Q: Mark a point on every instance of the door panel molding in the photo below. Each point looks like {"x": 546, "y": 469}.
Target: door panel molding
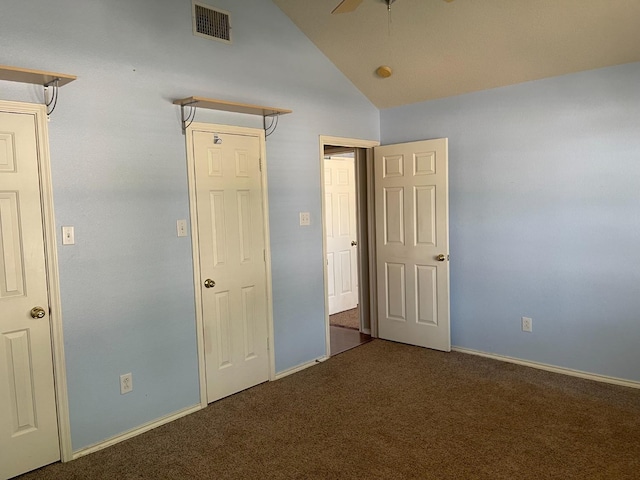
{"x": 53, "y": 278}
{"x": 234, "y": 130}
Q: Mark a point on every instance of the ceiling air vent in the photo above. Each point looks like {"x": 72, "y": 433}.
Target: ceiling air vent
{"x": 211, "y": 23}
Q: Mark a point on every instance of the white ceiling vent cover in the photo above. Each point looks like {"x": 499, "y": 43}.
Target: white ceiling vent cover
{"x": 211, "y": 23}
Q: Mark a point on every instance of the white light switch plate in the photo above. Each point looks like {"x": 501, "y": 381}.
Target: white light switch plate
{"x": 182, "y": 228}
{"x": 68, "y": 236}
{"x": 305, "y": 218}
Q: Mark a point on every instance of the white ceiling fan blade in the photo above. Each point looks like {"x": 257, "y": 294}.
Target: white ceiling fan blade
{"x": 347, "y": 6}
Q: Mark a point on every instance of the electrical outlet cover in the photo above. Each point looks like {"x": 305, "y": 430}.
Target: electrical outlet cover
{"x": 305, "y": 218}
{"x": 126, "y": 383}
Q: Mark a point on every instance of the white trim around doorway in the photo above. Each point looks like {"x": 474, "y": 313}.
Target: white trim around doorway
{"x": 53, "y": 277}
{"x": 233, "y": 130}
{"x": 342, "y": 142}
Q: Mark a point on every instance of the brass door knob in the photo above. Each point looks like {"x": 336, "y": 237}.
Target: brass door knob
{"x": 208, "y": 283}
{"x": 441, "y": 258}
{"x": 37, "y": 312}
{"x": 353, "y": 243}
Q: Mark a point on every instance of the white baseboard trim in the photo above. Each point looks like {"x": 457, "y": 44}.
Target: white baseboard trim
{"x": 550, "y": 368}
{"x": 135, "y": 432}
{"x": 286, "y": 373}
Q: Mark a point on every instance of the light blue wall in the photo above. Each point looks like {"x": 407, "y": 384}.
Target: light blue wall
{"x": 545, "y": 216}
{"x": 119, "y": 177}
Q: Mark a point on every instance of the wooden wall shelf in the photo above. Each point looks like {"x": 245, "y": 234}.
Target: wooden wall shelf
{"x": 214, "y": 104}
{"x": 37, "y": 77}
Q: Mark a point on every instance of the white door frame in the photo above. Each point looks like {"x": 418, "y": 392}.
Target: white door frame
{"x": 233, "y": 130}
{"x": 342, "y": 142}
{"x": 53, "y": 278}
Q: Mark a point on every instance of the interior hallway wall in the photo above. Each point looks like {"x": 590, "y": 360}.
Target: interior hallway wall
{"x": 119, "y": 176}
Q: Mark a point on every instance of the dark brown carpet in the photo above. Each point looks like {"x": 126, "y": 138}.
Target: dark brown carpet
{"x": 390, "y": 411}
{"x": 347, "y": 319}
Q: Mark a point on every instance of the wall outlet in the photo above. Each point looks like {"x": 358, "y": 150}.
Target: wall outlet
{"x": 305, "y": 218}
{"x": 527, "y": 324}
{"x": 126, "y": 383}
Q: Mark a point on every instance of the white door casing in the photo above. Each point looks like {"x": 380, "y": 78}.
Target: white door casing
{"x": 29, "y": 435}
{"x": 325, "y": 141}
{"x": 412, "y": 243}
{"x": 231, "y": 240}
{"x": 341, "y": 233}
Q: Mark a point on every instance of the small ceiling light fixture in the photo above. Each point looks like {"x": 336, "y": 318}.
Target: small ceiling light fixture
{"x": 383, "y": 71}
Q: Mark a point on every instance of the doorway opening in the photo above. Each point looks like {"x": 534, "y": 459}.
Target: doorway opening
{"x": 347, "y": 246}
{"x": 402, "y": 239}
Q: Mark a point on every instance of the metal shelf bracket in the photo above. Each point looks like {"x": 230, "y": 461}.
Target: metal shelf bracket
{"x": 53, "y": 101}
{"x": 187, "y": 119}
{"x": 268, "y": 130}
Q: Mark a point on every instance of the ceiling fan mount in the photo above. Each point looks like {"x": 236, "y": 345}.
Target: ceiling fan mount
{"x": 346, "y": 6}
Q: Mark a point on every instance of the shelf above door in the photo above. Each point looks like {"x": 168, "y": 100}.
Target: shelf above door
{"x": 37, "y": 77}
{"x": 223, "y": 105}
{"x": 214, "y": 104}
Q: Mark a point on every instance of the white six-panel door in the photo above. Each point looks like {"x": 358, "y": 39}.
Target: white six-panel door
{"x": 340, "y": 227}
{"x": 232, "y": 261}
{"x": 28, "y": 419}
{"x": 412, "y": 243}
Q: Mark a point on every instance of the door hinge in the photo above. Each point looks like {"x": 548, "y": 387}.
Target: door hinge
{"x": 260, "y": 164}
{"x": 264, "y": 255}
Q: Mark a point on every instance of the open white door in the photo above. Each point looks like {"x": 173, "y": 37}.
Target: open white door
{"x": 231, "y": 239}
{"x": 412, "y": 243}
{"x": 341, "y": 231}
{"x": 28, "y": 416}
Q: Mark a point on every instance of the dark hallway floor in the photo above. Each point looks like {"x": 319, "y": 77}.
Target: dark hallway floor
{"x": 343, "y": 339}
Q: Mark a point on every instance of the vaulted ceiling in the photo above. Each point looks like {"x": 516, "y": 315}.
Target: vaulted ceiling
{"x": 438, "y": 49}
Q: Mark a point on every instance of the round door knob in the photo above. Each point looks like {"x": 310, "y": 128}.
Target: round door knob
{"x": 441, "y": 258}
{"x": 37, "y": 312}
{"x": 353, "y": 243}
{"x": 208, "y": 283}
